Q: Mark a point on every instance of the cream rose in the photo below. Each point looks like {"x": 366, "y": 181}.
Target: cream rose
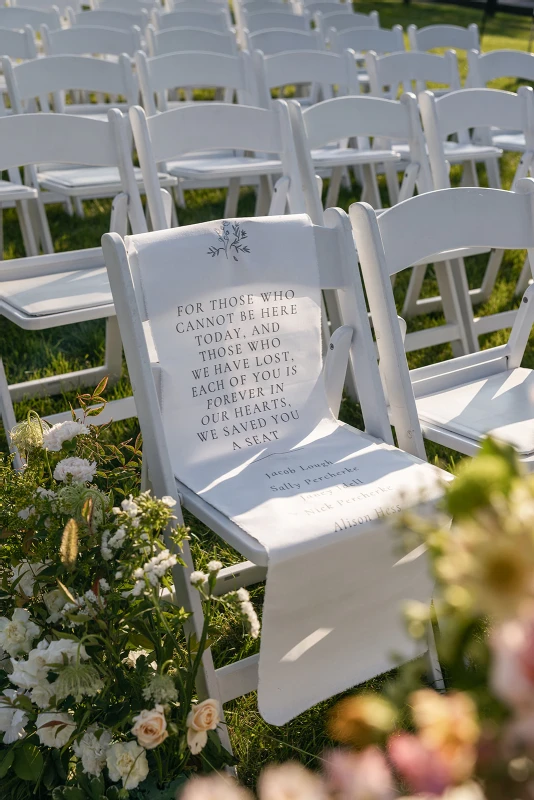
{"x": 150, "y": 728}
{"x": 202, "y": 718}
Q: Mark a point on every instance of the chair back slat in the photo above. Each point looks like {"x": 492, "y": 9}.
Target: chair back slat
{"x": 216, "y": 19}
{"x": 183, "y": 40}
{"x": 275, "y": 41}
{"x": 89, "y": 40}
{"x": 380, "y": 40}
{"x": 485, "y": 67}
{"x": 450, "y": 36}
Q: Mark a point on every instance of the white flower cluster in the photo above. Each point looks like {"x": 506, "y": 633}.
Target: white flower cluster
{"x": 129, "y": 507}
{"x": 83, "y": 604}
{"x": 54, "y": 437}
{"x": 79, "y": 469}
{"x": 161, "y": 689}
{"x": 152, "y": 571}
{"x": 110, "y": 543}
{"x": 92, "y": 750}
{"x": 31, "y": 674}
{"x": 248, "y": 613}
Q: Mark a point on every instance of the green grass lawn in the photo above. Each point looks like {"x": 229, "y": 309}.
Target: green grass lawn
{"x": 34, "y": 354}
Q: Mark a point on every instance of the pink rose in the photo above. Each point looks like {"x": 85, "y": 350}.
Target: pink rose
{"x": 150, "y": 728}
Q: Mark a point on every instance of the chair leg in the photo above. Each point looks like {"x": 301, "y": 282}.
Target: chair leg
{"x": 232, "y": 198}
{"x": 78, "y": 206}
{"x": 332, "y": 195}
{"x": 434, "y": 667}
{"x": 392, "y": 181}
{"x": 524, "y": 278}
{"x": 454, "y": 291}
{"x": 7, "y": 414}
{"x": 413, "y": 291}
{"x": 26, "y": 228}
{"x": 38, "y": 214}
{"x": 490, "y": 276}
{"x": 263, "y": 196}
{"x": 492, "y": 171}
{"x": 113, "y": 363}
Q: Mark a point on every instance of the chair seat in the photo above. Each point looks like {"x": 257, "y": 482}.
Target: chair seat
{"x": 209, "y": 166}
{"x": 80, "y": 180}
{"x": 501, "y": 406}
{"x": 50, "y": 285}
{"x": 9, "y": 192}
{"x": 456, "y": 152}
{"x": 328, "y": 157}
{"x": 510, "y": 141}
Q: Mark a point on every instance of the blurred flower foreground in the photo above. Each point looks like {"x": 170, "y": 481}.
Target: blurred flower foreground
{"x": 97, "y": 665}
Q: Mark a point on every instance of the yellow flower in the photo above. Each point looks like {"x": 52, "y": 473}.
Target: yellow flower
{"x": 361, "y": 720}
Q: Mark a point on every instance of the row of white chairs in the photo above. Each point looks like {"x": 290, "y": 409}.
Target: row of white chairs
{"x": 195, "y": 142}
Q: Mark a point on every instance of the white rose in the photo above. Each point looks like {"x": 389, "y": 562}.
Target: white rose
{"x": 80, "y": 470}
{"x": 127, "y": 762}
{"x": 54, "y": 728}
{"x": 54, "y": 437}
{"x": 27, "y": 574}
{"x": 17, "y": 634}
{"x": 150, "y": 728}
{"x": 12, "y": 720}
{"x": 92, "y": 750}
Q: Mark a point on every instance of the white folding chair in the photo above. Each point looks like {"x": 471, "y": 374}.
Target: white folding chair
{"x": 327, "y": 74}
{"x": 357, "y": 118}
{"x": 18, "y": 45}
{"x": 47, "y": 291}
{"x": 278, "y": 20}
{"x": 18, "y": 18}
{"x": 361, "y": 40}
{"x": 47, "y": 5}
{"x": 161, "y": 74}
{"x": 460, "y": 401}
{"x": 217, "y": 19}
{"x": 109, "y": 18}
{"x": 345, "y": 20}
{"x": 307, "y": 652}
{"x": 485, "y": 110}
{"x": 55, "y": 75}
{"x": 406, "y": 72}
{"x": 453, "y": 37}
{"x": 203, "y": 144}
{"x": 127, "y": 5}
{"x": 284, "y": 41}
{"x": 183, "y": 40}
{"x": 89, "y": 40}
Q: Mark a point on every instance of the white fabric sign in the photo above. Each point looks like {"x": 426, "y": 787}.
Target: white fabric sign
{"x": 236, "y": 326}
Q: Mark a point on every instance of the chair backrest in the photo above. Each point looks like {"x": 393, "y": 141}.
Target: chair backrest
{"x": 46, "y": 5}
{"x": 345, "y": 118}
{"x": 58, "y": 74}
{"x": 19, "y": 18}
{"x": 89, "y": 40}
{"x": 183, "y": 40}
{"x": 258, "y": 6}
{"x": 389, "y": 73}
{"x": 345, "y": 20}
{"x": 414, "y": 231}
{"x": 217, "y": 19}
{"x": 110, "y": 18}
{"x": 457, "y": 112}
{"x": 267, "y": 20}
{"x": 486, "y": 67}
{"x": 127, "y": 5}
{"x": 159, "y": 74}
{"x": 450, "y": 36}
{"x": 326, "y": 71}
{"x": 211, "y": 126}
{"x": 361, "y": 40}
{"x": 283, "y": 41}
{"x": 337, "y": 268}
{"x": 18, "y": 44}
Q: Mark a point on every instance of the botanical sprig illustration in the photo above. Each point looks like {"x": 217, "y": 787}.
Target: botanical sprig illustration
{"x": 230, "y": 231}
